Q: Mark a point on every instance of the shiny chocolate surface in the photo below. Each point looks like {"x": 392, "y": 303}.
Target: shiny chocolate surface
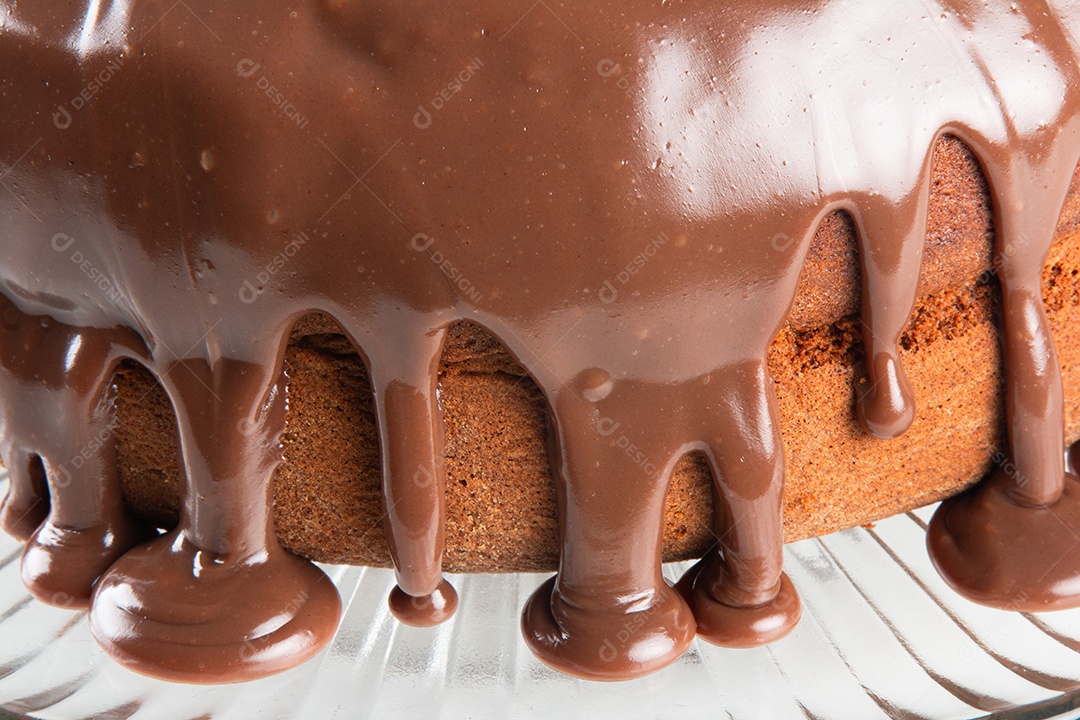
{"x": 622, "y": 193}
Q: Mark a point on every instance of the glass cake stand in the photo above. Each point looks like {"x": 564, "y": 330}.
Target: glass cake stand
{"x": 881, "y": 636}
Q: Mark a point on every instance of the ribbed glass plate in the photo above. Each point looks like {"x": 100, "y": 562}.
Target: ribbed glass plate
{"x": 881, "y": 636}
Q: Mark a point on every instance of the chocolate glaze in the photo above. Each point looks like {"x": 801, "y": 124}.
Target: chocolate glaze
{"x": 622, "y": 193}
{"x": 51, "y": 368}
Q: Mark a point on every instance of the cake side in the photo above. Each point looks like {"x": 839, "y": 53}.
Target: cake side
{"x": 502, "y": 510}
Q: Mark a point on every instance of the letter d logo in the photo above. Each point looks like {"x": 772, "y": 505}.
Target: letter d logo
{"x": 422, "y": 118}
{"x": 607, "y": 426}
{"x": 62, "y": 242}
{"x": 62, "y": 118}
{"x": 246, "y": 68}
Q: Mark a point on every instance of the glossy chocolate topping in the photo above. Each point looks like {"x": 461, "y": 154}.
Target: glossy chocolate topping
{"x": 622, "y": 193}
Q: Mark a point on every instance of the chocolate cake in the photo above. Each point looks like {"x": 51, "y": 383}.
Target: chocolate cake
{"x": 487, "y": 288}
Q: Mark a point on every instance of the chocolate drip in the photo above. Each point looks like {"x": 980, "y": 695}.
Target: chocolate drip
{"x": 625, "y": 198}
{"x": 997, "y": 543}
{"x": 58, "y": 406}
{"x": 890, "y": 249}
{"x": 221, "y": 574}
{"x": 414, "y": 477}
{"x": 26, "y": 504}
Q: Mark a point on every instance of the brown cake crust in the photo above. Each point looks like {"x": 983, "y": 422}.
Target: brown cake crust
{"x": 502, "y": 511}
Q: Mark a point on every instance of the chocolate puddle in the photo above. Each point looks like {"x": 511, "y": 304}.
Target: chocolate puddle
{"x": 186, "y": 183}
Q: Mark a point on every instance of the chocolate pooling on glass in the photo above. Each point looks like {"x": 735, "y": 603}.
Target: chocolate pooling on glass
{"x": 183, "y": 184}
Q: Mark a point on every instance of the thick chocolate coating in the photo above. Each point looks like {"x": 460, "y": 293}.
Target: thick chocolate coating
{"x": 186, "y": 183}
